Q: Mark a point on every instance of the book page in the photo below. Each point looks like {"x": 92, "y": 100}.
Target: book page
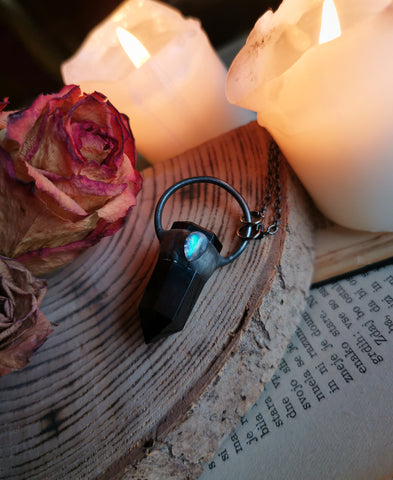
{"x": 327, "y": 412}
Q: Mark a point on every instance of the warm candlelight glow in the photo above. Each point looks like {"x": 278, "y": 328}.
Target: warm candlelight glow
{"x": 330, "y": 24}
{"x": 158, "y": 68}
{"x": 331, "y": 117}
{"x": 133, "y": 47}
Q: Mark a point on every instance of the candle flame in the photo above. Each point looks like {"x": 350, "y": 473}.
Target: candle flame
{"x": 133, "y": 47}
{"x": 330, "y": 24}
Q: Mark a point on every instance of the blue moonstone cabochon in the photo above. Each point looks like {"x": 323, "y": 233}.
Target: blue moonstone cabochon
{"x": 195, "y": 245}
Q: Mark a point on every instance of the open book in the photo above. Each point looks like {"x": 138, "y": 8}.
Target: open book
{"x": 327, "y": 411}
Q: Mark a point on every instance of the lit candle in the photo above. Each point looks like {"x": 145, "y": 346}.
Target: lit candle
{"x": 321, "y": 81}
{"x": 160, "y": 69}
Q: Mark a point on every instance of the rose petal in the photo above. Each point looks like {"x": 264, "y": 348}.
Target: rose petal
{"x": 40, "y": 134}
{"x": 44, "y": 146}
{"x": 89, "y": 194}
{"x": 99, "y": 113}
{"x": 13, "y": 195}
{"x": 36, "y": 227}
{"x": 3, "y": 115}
{"x": 25, "y": 328}
{"x": 3, "y": 104}
{"x": 17, "y": 355}
{"x": 52, "y": 196}
{"x": 129, "y": 141}
{"x": 126, "y": 173}
{"x": 47, "y": 259}
{"x": 21, "y": 122}
{"x": 93, "y": 142}
{"x": 118, "y": 207}
{"x": 96, "y": 113}
{"x": 101, "y": 173}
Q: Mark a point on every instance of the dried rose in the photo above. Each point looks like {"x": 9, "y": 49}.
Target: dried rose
{"x": 67, "y": 177}
{"x": 3, "y": 115}
{"x": 23, "y": 327}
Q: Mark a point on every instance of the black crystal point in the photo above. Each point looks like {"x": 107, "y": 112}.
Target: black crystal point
{"x": 176, "y": 282}
{"x": 166, "y": 306}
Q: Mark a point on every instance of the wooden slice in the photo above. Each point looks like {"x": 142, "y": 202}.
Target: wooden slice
{"x": 96, "y": 402}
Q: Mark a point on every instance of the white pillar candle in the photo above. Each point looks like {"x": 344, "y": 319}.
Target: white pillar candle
{"x": 328, "y": 105}
{"x": 168, "y": 80}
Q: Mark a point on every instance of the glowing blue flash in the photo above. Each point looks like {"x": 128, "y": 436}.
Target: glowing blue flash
{"x": 195, "y": 245}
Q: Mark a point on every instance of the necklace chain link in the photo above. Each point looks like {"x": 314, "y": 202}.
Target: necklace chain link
{"x": 255, "y": 230}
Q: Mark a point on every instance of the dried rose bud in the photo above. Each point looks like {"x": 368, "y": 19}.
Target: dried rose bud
{"x": 67, "y": 177}
{"x": 23, "y": 327}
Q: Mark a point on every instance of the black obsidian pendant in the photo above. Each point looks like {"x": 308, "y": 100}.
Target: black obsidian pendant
{"x": 188, "y": 256}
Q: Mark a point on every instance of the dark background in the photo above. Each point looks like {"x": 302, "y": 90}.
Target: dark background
{"x": 37, "y": 35}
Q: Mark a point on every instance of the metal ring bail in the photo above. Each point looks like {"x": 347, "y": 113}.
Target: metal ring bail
{"x": 215, "y": 181}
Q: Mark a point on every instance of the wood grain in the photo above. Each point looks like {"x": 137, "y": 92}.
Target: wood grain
{"x": 340, "y": 251}
{"x": 95, "y": 399}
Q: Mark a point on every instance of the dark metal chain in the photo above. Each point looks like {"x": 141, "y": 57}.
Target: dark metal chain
{"x": 272, "y": 199}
